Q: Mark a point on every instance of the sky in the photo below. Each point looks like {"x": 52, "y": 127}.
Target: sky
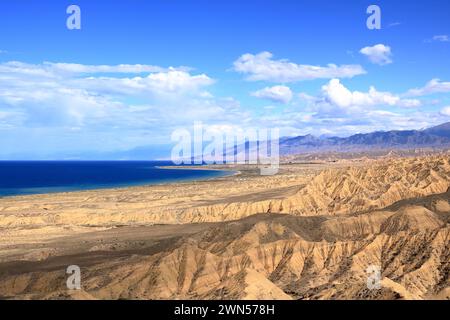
{"x": 138, "y": 70}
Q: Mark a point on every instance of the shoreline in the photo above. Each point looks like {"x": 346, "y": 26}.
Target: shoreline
{"x": 205, "y": 168}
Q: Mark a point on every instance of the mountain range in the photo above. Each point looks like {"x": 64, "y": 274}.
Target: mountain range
{"x": 435, "y": 137}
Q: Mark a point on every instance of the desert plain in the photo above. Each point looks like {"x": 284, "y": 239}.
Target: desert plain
{"x": 310, "y": 232}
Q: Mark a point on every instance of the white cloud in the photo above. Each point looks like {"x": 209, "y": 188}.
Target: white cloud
{"x": 121, "y": 68}
{"x": 446, "y": 111}
{"x": 410, "y": 103}
{"x": 337, "y": 110}
{"x": 171, "y": 83}
{"x": 109, "y": 107}
{"x": 63, "y": 94}
{"x": 345, "y": 124}
{"x": 15, "y": 68}
{"x": 394, "y": 24}
{"x": 71, "y": 109}
{"x": 441, "y": 38}
{"x": 306, "y": 97}
{"x": 338, "y": 95}
{"x": 63, "y": 70}
{"x": 432, "y": 87}
{"x": 177, "y": 81}
{"x": 378, "y": 54}
{"x": 281, "y": 94}
{"x": 84, "y": 76}
{"x": 261, "y": 67}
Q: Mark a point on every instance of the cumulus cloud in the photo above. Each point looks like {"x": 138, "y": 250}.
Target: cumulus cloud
{"x": 95, "y": 107}
{"x": 88, "y": 108}
{"x": 86, "y": 76}
{"x": 261, "y": 67}
{"x": 280, "y": 94}
{"x": 171, "y": 83}
{"x": 432, "y": 87}
{"x": 378, "y": 54}
{"x": 344, "y": 124}
{"x": 64, "y": 94}
{"x": 338, "y": 95}
{"x": 338, "y": 110}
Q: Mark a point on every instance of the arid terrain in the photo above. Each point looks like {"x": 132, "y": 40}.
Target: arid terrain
{"x": 309, "y": 232}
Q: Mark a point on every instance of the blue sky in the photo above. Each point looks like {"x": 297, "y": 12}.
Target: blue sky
{"x": 137, "y": 70}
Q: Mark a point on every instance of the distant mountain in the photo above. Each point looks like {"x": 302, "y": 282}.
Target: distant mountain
{"x": 442, "y": 131}
{"x": 436, "y": 137}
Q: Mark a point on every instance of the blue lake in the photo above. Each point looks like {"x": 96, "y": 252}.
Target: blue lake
{"x": 36, "y": 177}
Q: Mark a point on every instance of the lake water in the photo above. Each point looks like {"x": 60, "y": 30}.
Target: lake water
{"x": 36, "y": 177}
